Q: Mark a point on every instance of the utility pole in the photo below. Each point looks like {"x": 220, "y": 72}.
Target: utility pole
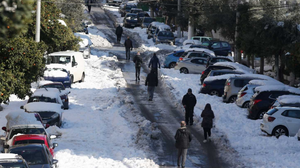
{"x": 38, "y": 21}
{"x": 237, "y": 54}
{"x": 178, "y": 14}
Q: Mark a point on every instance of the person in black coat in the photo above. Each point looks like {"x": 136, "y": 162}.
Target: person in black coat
{"x": 151, "y": 82}
{"x": 89, "y": 4}
{"x": 207, "y": 121}
{"x": 128, "y": 47}
{"x": 183, "y": 139}
{"x": 138, "y": 63}
{"x": 154, "y": 63}
{"x": 119, "y": 31}
{"x": 189, "y": 101}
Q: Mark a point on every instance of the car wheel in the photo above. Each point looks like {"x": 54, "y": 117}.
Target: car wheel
{"x": 232, "y": 99}
{"x": 214, "y": 92}
{"x": 246, "y": 104}
{"x": 82, "y": 77}
{"x": 184, "y": 70}
{"x": 172, "y": 64}
{"x": 280, "y": 130}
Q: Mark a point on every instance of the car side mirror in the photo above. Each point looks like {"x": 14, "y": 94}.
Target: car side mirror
{"x": 53, "y": 136}
{"x": 74, "y": 64}
{"x": 55, "y": 145}
{"x": 4, "y": 128}
{"x": 22, "y": 107}
{"x": 54, "y": 161}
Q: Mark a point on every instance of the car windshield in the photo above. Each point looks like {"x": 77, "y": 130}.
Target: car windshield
{"x": 59, "y": 59}
{"x": 12, "y": 165}
{"x": 27, "y": 131}
{"x": 148, "y": 20}
{"x": 58, "y": 86}
{"x": 42, "y": 99}
{"x": 272, "y": 111}
{"x": 131, "y": 17}
{"x": 130, "y": 6}
{"x": 276, "y": 104}
{"x": 31, "y": 141}
{"x": 46, "y": 115}
{"x": 166, "y": 34}
{"x": 33, "y": 156}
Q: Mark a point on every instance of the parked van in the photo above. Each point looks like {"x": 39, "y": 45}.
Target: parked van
{"x": 71, "y": 60}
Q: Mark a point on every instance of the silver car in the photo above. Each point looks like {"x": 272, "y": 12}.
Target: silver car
{"x": 193, "y": 65}
{"x": 244, "y": 95}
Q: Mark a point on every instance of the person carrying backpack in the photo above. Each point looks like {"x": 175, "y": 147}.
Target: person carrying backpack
{"x": 183, "y": 139}
{"x": 138, "y": 63}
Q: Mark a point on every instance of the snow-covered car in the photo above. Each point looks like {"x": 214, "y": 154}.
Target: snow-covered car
{"x": 287, "y": 100}
{"x": 201, "y": 39}
{"x": 236, "y": 66}
{"x": 58, "y": 75}
{"x": 244, "y": 95}
{"x": 164, "y": 37}
{"x": 196, "y": 52}
{"x": 84, "y": 45}
{"x": 130, "y": 20}
{"x": 191, "y": 42}
{"x": 281, "y": 121}
{"x": 51, "y": 113}
{"x": 64, "y": 94}
{"x": 193, "y": 65}
{"x": 11, "y": 160}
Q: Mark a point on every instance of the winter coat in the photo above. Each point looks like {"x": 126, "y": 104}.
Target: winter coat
{"x": 183, "y": 138}
{"x": 119, "y": 30}
{"x": 208, "y": 116}
{"x": 154, "y": 62}
{"x": 151, "y": 79}
{"x": 189, "y": 101}
{"x": 138, "y": 61}
{"x": 128, "y": 44}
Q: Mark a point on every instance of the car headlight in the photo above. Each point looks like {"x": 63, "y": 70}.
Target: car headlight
{"x": 55, "y": 115}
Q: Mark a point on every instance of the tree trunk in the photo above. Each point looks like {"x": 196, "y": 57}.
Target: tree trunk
{"x": 277, "y": 67}
{"x": 292, "y": 78}
{"x": 252, "y": 62}
{"x": 262, "y": 62}
{"x": 248, "y": 59}
{"x": 151, "y": 11}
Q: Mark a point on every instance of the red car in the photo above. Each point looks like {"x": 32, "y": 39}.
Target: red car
{"x": 34, "y": 138}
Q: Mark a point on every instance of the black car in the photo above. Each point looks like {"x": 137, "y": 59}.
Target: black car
{"x": 223, "y": 72}
{"x": 213, "y": 67}
{"x": 126, "y": 9}
{"x": 145, "y": 21}
{"x": 213, "y": 60}
{"x": 213, "y": 87}
{"x": 140, "y": 17}
{"x": 51, "y": 118}
{"x": 261, "y": 102}
{"x": 221, "y": 48}
{"x": 130, "y": 20}
{"x": 8, "y": 160}
{"x": 36, "y": 155}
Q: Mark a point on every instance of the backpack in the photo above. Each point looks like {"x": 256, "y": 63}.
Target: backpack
{"x": 138, "y": 62}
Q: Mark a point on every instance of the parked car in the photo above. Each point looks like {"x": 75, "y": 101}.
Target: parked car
{"x": 58, "y": 75}
{"x": 71, "y": 61}
{"x": 140, "y": 17}
{"x": 172, "y": 58}
{"x": 136, "y": 10}
{"x": 161, "y": 27}
{"x": 193, "y": 65}
{"x": 202, "y": 39}
{"x": 64, "y": 94}
{"x": 35, "y": 138}
{"x": 214, "y": 85}
{"x": 11, "y": 160}
{"x": 126, "y": 9}
{"x": 164, "y": 37}
{"x": 213, "y": 60}
{"x": 196, "y": 52}
{"x": 265, "y": 96}
{"x": 287, "y": 101}
{"x": 281, "y": 121}
{"x": 114, "y": 2}
{"x": 152, "y": 28}
{"x": 219, "y": 47}
{"x": 223, "y": 72}
{"x": 130, "y": 20}
{"x": 191, "y": 42}
{"x": 37, "y": 155}
{"x": 205, "y": 73}
{"x": 51, "y": 114}
{"x": 234, "y": 84}
{"x": 145, "y": 21}
{"x": 84, "y": 45}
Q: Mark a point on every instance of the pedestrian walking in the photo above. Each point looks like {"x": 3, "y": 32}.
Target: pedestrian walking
{"x": 119, "y": 32}
{"x": 89, "y": 4}
{"x": 138, "y": 63}
{"x": 154, "y": 63}
{"x": 183, "y": 139}
{"x": 207, "y": 121}
{"x": 128, "y": 47}
{"x": 189, "y": 101}
{"x": 151, "y": 82}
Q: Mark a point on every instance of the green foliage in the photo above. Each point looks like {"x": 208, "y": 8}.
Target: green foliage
{"x": 14, "y": 17}
{"x": 21, "y": 62}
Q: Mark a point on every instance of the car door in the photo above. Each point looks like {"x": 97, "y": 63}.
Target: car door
{"x": 217, "y": 48}
{"x": 292, "y": 121}
{"x": 226, "y": 48}
{"x": 198, "y": 65}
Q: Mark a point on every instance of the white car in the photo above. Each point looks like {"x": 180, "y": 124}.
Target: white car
{"x": 194, "y": 65}
{"x": 281, "y": 121}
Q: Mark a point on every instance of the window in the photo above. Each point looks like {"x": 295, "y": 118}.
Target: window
{"x": 193, "y": 55}
{"x": 272, "y": 111}
{"x": 196, "y": 38}
{"x": 198, "y": 61}
{"x": 225, "y": 44}
{"x": 292, "y": 113}
{"x": 216, "y": 45}
{"x": 203, "y": 40}
{"x": 238, "y": 83}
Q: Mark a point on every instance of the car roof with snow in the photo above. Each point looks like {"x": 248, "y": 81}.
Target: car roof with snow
{"x": 43, "y": 82}
{"x": 186, "y": 42}
{"x": 162, "y": 27}
{"x": 277, "y": 88}
{"x": 10, "y": 157}
{"x": 67, "y": 53}
{"x": 54, "y": 66}
{"x": 200, "y": 50}
{"x": 43, "y": 107}
{"x": 47, "y": 92}
{"x": 258, "y": 76}
{"x": 265, "y": 82}
{"x": 21, "y": 119}
{"x": 237, "y": 66}
{"x": 156, "y": 23}
{"x": 288, "y": 108}
{"x": 220, "y": 77}
{"x": 288, "y": 99}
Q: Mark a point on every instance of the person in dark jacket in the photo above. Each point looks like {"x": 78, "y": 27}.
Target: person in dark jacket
{"x": 128, "y": 47}
{"x": 89, "y": 4}
{"x": 154, "y": 63}
{"x": 119, "y": 32}
{"x": 189, "y": 101}
{"x": 138, "y": 63}
{"x": 183, "y": 139}
{"x": 207, "y": 121}
{"x": 151, "y": 82}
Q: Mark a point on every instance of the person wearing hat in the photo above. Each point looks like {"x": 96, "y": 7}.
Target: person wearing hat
{"x": 189, "y": 101}
{"x": 138, "y": 63}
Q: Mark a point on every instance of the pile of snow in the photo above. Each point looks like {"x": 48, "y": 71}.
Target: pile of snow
{"x": 277, "y": 88}
{"x": 20, "y": 118}
{"x": 237, "y": 66}
{"x": 98, "y": 38}
{"x": 85, "y": 39}
{"x": 55, "y": 72}
{"x": 286, "y": 99}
